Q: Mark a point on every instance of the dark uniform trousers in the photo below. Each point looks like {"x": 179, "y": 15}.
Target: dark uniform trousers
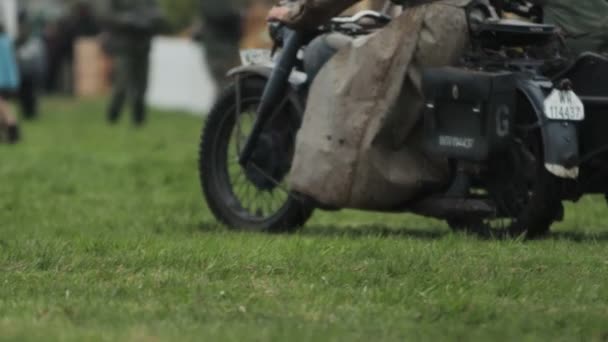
{"x": 222, "y": 32}
{"x": 131, "y": 43}
{"x": 131, "y": 67}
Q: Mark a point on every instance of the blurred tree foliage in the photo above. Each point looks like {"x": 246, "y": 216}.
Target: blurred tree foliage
{"x": 181, "y": 13}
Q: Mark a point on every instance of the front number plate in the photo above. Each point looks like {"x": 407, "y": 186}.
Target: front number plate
{"x": 564, "y": 105}
{"x": 256, "y": 57}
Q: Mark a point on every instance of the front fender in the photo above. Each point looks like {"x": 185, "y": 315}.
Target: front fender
{"x": 559, "y": 138}
{"x": 297, "y": 79}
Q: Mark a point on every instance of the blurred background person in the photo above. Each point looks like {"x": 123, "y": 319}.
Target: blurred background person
{"x": 55, "y": 53}
{"x": 9, "y": 82}
{"x": 132, "y": 26}
{"x": 221, "y": 33}
{"x": 60, "y": 25}
{"x": 223, "y": 28}
{"x": 31, "y": 57}
{"x": 80, "y": 22}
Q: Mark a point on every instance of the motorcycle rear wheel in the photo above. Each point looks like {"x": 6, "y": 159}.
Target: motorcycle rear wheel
{"x": 255, "y": 198}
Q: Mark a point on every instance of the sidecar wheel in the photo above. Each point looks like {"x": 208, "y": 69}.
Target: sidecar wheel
{"x": 542, "y": 210}
{"x": 255, "y": 198}
{"x": 532, "y": 220}
{"x": 525, "y": 194}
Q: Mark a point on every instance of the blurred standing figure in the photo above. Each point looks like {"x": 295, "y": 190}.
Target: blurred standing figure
{"x": 52, "y": 37}
{"x": 31, "y": 56}
{"x": 221, "y": 33}
{"x": 81, "y": 22}
{"x": 9, "y": 82}
{"x": 132, "y": 25}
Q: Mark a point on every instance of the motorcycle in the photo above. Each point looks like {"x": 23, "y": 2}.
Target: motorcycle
{"x": 508, "y": 131}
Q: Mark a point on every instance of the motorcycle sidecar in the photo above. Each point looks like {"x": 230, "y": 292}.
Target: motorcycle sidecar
{"x": 588, "y": 76}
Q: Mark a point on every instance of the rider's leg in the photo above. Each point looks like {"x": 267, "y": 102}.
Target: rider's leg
{"x": 321, "y": 50}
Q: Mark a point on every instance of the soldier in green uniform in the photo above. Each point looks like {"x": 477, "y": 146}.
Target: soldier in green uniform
{"x": 584, "y": 23}
{"x": 221, "y": 34}
{"x": 132, "y": 25}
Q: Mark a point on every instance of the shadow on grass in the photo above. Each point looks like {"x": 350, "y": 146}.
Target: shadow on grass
{"x": 582, "y": 237}
{"x": 373, "y": 231}
{"x": 352, "y": 232}
{"x": 211, "y": 227}
{"x": 435, "y": 234}
{"x": 370, "y": 231}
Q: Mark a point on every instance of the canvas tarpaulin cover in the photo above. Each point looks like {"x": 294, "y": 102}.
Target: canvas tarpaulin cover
{"x": 360, "y": 145}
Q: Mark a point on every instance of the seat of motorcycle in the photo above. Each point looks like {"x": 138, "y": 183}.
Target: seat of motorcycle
{"x": 513, "y": 33}
{"x": 587, "y": 74}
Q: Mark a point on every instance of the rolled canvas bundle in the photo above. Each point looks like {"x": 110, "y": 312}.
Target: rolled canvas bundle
{"x": 360, "y": 145}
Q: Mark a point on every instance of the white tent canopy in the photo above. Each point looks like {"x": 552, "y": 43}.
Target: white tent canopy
{"x": 179, "y": 78}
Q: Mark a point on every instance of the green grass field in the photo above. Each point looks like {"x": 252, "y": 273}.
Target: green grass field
{"x": 104, "y": 235}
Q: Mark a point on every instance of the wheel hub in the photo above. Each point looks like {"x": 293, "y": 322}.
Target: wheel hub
{"x": 266, "y": 166}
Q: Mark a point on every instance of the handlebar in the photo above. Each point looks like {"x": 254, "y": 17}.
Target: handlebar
{"x": 382, "y": 18}
{"x": 360, "y": 23}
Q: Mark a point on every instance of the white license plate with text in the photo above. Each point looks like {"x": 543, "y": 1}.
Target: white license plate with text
{"x": 251, "y": 57}
{"x": 564, "y": 105}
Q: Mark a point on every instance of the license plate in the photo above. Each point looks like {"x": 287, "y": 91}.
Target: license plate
{"x": 564, "y": 105}
{"x": 256, "y": 57}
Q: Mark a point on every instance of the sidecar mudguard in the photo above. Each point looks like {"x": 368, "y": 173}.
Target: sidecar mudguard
{"x": 560, "y": 138}
{"x": 297, "y": 79}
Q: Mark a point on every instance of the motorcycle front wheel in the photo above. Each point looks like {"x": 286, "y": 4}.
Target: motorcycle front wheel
{"x": 255, "y": 197}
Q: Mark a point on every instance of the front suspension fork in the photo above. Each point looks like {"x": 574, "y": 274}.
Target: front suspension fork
{"x": 275, "y": 89}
